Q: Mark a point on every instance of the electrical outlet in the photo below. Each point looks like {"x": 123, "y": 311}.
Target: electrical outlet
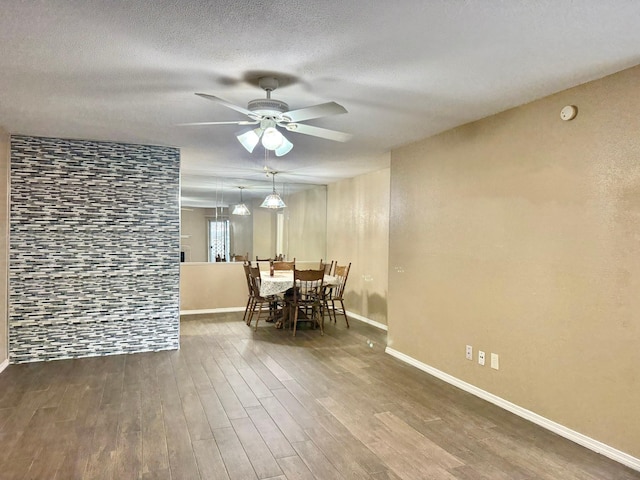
{"x": 495, "y": 361}
{"x": 469, "y": 353}
{"x": 481, "y": 357}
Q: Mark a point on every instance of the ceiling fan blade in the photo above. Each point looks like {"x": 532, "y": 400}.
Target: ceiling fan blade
{"x": 228, "y": 104}
{"x": 316, "y": 111}
{"x": 318, "y": 132}
{"x": 240, "y": 122}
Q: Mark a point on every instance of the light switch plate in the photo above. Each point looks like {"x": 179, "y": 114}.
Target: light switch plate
{"x": 495, "y": 361}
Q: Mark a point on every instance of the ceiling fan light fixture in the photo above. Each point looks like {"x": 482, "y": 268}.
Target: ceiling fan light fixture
{"x": 272, "y": 138}
{"x": 249, "y": 139}
{"x": 284, "y": 148}
{"x": 271, "y": 113}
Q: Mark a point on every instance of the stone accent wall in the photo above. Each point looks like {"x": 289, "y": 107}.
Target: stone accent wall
{"x": 94, "y": 248}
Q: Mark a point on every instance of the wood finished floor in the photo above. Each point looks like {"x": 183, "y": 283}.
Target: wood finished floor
{"x": 239, "y": 404}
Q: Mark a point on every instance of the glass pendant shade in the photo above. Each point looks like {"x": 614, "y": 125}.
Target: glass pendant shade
{"x": 241, "y": 208}
{"x": 250, "y": 139}
{"x": 272, "y": 138}
{"x": 284, "y": 148}
{"x": 273, "y": 200}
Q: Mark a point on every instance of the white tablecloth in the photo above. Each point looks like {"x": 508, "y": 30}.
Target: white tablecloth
{"x": 283, "y": 281}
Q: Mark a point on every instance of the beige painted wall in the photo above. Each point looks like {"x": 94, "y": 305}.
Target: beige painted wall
{"x": 206, "y": 286}
{"x": 264, "y": 231}
{"x": 4, "y": 237}
{"x": 306, "y": 232}
{"x": 358, "y": 232}
{"x": 519, "y": 234}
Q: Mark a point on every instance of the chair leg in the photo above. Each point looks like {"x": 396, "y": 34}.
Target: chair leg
{"x": 344, "y": 312}
{"x": 252, "y": 309}
{"x": 319, "y": 315}
{"x": 295, "y": 319}
{"x": 332, "y": 314}
{"x": 259, "y": 313}
{"x": 290, "y": 315}
{"x": 246, "y": 311}
{"x": 327, "y": 308}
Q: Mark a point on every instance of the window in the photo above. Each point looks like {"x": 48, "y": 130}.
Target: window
{"x": 218, "y": 240}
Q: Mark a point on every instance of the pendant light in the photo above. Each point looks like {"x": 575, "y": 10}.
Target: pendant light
{"x": 241, "y": 208}
{"x": 273, "y": 200}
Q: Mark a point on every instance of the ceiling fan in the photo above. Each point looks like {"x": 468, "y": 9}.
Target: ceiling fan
{"x": 269, "y": 113}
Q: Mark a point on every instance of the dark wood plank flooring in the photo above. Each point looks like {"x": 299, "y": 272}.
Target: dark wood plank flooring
{"x": 239, "y": 404}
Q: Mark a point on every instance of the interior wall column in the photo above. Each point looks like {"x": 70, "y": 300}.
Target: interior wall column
{"x": 4, "y": 229}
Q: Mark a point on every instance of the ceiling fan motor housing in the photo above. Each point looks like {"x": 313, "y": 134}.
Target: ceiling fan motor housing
{"x": 268, "y": 106}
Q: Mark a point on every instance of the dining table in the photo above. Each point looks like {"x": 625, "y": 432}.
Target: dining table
{"x": 280, "y": 282}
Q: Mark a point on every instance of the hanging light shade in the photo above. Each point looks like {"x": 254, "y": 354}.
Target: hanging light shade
{"x": 250, "y": 139}
{"x": 273, "y": 200}
{"x": 284, "y": 148}
{"x": 272, "y": 138}
{"x": 268, "y": 135}
{"x": 241, "y": 208}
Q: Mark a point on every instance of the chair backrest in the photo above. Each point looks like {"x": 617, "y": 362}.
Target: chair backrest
{"x": 254, "y": 279}
{"x": 307, "y": 283}
{"x": 240, "y": 258}
{"x": 328, "y": 267}
{"x": 263, "y": 259}
{"x": 342, "y": 272}
{"x": 284, "y": 265}
{"x": 247, "y": 274}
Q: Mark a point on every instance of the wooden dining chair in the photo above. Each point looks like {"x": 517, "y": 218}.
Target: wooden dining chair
{"x": 247, "y": 273}
{"x": 240, "y": 258}
{"x": 284, "y": 265}
{"x": 336, "y": 294}
{"x": 328, "y": 267}
{"x": 260, "y": 303}
{"x": 307, "y": 298}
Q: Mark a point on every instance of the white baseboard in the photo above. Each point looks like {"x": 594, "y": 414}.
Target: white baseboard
{"x": 212, "y": 310}
{"x": 4, "y": 365}
{"x": 577, "y": 437}
{"x": 355, "y": 316}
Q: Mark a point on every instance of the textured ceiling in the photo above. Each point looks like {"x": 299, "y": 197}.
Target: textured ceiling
{"x": 127, "y": 71}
